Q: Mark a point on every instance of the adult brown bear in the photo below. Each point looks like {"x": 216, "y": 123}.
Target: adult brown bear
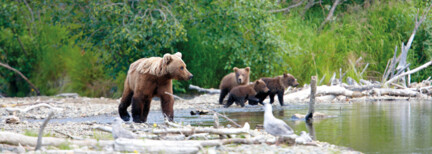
{"x": 148, "y": 78}
{"x": 240, "y": 76}
{"x": 277, "y": 86}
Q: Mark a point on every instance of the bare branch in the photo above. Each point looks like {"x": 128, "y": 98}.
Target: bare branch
{"x": 39, "y": 139}
{"x": 32, "y": 107}
{"x": 364, "y": 69}
{"x": 288, "y": 8}
{"x": 22, "y": 76}
{"x": 407, "y": 73}
{"x": 30, "y": 10}
{"x": 329, "y": 16}
{"x": 309, "y": 5}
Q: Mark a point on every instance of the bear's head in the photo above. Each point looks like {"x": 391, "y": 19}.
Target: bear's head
{"x": 175, "y": 67}
{"x": 260, "y": 86}
{"x": 288, "y": 80}
{"x": 242, "y": 75}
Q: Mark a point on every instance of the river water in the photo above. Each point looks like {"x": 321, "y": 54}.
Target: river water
{"x": 371, "y": 127}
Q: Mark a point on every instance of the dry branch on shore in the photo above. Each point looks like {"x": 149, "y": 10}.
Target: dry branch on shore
{"x": 31, "y": 108}
{"x": 199, "y": 89}
{"x": 166, "y": 140}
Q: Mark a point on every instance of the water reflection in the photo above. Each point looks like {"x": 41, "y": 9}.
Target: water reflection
{"x": 390, "y": 127}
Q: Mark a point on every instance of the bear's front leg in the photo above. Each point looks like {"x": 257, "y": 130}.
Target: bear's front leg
{"x": 241, "y": 101}
{"x": 280, "y": 97}
{"x": 167, "y": 105}
{"x": 222, "y": 95}
{"x": 140, "y": 108}
{"x": 271, "y": 95}
{"x": 231, "y": 100}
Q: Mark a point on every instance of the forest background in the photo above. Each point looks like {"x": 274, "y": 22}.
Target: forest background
{"x": 86, "y": 46}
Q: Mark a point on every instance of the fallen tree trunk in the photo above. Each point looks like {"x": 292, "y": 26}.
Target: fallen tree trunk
{"x": 362, "y": 88}
{"x": 395, "y": 92}
{"x": 190, "y": 131}
{"x": 199, "y": 89}
{"x": 323, "y": 90}
{"x": 15, "y": 139}
{"x": 189, "y": 146}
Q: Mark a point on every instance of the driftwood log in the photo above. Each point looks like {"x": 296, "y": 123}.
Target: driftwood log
{"x": 15, "y": 139}
{"x": 199, "y": 89}
{"x": 313, "y": 84}
{"x": 10, "y": 110}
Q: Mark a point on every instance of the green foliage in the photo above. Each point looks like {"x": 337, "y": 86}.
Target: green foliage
{"x": 87, "y": 46}
{"x": 227, "y": 34}
{"x": 370, "y": 33}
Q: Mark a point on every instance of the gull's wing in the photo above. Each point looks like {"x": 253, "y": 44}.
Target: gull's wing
{"x": 278, "y": 128}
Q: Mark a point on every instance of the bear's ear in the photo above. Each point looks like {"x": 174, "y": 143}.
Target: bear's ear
{"x": 257, "y": 81}
{"x": 285, "y": 75}
{"x": 167, "y": 58}
{"x": 178, "y": 54}
{"x": 235, "y": 69}
{"x": 247, "y": 69}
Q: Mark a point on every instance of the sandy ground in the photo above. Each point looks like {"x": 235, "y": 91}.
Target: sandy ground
{"x": 88, "y": 107}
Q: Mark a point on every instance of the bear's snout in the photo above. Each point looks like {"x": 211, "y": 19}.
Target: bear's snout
{"x": 295, "y": 84}
{"x": 239, "y": 81}
{"x": 190, "y": 76}
{"x": 266, "y": 89}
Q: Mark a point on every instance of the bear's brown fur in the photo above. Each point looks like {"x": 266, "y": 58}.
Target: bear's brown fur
{"x": 242, "y": 93}
{"x": 277, "y": 86}
{"x": 240, "y": 76}
{"x": 148, "y": 78}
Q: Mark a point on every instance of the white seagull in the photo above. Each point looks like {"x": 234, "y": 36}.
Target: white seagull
{"x": 119, "y": 132}
{"x": 274, "y": 126}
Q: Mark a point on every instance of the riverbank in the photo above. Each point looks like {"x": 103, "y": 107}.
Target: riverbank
{"x": 105, "y": 108}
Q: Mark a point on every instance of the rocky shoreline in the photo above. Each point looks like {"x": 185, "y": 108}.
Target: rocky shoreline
{"x": 78, "y": 107}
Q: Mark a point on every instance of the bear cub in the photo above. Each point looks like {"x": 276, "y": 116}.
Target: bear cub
{"x": 240, "y": 76}
{"x": 242, "y": 93}
{"x": 276, "y": 86}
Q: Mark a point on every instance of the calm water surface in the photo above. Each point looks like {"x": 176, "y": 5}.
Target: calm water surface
{"x": 372, "y": 127}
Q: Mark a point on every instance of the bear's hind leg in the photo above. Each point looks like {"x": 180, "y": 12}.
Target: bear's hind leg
{"x": 222, "y": 95}
{"x": 125, "y": 103}
{"x": 140, "y": 108}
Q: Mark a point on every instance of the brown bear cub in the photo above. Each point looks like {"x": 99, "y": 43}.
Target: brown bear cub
{"x": 240, "y": 76}
{"x": 277, "y": 86}
{"x": 148, "y": 78}
{"x": 242, "y": 93}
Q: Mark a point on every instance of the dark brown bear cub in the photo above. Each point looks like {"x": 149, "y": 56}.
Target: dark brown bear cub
{"x": 277, "y": 86}
{"x": 240, "y": 76}
{"x": 239, "y": 94}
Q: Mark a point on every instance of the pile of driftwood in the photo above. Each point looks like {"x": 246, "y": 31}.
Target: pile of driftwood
{"x": 171, "y": 138}
{"x": 395, "y": 83}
